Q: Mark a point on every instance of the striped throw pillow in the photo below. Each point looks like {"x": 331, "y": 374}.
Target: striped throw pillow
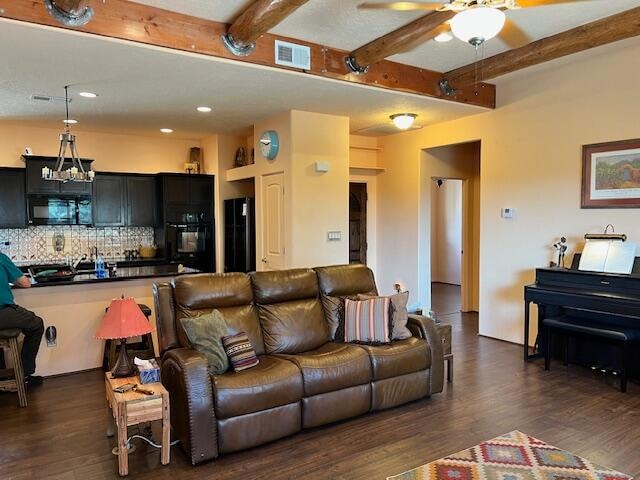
{"x": 367, "y": 321}
{"x": 240, "y": 351}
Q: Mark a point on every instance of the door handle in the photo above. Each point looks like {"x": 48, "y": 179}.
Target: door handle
{"x": 264, "y": 260}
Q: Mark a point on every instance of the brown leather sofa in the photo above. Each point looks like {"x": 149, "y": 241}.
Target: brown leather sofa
{"x": 304, "y": 379}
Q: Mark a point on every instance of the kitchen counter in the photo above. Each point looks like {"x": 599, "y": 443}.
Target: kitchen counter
{"x": 123, "y": 273}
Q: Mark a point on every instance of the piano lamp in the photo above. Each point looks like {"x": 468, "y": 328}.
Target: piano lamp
{"x": 123, "y": 320}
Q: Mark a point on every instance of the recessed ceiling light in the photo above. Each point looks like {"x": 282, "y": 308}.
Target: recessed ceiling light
{"x": 70, "y": 121}
{"x": 204, "y": 109}
{"x": 443, "y": 37}
{"x": 166, "y": 130}
{"x": 403, "y": 121}
{"x": 88, "y": 94}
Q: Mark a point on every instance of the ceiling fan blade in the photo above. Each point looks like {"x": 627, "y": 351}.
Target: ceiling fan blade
{"x": 513, "y": 35}
{"x": 542, "y": 3}
{"x": 401, "y": 6}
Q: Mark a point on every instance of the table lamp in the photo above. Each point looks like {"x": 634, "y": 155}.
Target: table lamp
{"x": 123, "y": 320}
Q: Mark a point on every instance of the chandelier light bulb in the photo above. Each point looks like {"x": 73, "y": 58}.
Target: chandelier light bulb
{"x": 403, "y": 121}
{"x": 477, "y": 25}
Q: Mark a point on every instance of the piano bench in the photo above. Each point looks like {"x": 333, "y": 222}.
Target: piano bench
{"x": 617, "y": 335}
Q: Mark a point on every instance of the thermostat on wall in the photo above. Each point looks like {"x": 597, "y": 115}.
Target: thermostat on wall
{"x": 508, "y": 212}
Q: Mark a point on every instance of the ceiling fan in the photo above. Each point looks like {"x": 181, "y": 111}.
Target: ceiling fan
{"x": 474, "y": 21}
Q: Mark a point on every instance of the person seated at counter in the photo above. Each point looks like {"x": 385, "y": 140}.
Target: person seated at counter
{"x": 14, "y": 316}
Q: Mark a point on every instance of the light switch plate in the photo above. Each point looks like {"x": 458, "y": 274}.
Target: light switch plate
{"x": 334, "y": 236}
{"x": 508, "y": 212}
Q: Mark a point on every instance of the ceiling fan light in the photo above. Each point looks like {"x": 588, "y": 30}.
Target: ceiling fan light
{"x": 443, "y": 37}
{"x": 403, "y": 121}
{"x": 477, "y": 25}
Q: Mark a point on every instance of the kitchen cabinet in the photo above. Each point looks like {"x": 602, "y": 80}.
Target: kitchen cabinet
{"x": 13, "y": 205}
{"x": 141, "y": 200}
{"x": 124, "y": 200}
{"x": 187, "y": 198}
{"x": 109, "y": 200}
{"x": 38, "y": 185}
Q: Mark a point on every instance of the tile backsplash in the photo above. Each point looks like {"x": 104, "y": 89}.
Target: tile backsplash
{"x": 38, "y": 244}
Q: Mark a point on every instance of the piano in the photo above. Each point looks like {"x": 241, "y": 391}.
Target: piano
{"x": 601, "y": 297}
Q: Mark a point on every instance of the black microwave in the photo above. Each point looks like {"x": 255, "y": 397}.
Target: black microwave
{"x": 59, "y": 210}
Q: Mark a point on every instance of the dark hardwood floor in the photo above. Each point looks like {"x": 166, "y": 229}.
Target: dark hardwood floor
{"x": 61, "y": 435}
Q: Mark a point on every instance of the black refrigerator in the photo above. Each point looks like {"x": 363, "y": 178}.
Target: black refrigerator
{"x": 239, "y": 235}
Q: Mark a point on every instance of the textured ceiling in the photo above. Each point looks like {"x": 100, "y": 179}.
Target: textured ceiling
{"x": 340, "y": 24}
{"x": 142, "y": 89}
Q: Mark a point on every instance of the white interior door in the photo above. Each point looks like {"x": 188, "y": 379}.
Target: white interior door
{"x": 273, "y": 222}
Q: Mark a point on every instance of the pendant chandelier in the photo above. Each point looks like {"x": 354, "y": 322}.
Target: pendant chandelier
{"x": 75, "y": 172}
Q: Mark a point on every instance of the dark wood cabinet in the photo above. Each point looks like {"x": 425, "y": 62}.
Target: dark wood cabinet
{"x": 200, "y": 191}
{"x": 175, "y": 189}
{"x": 187, "y": 198}
{"x": 141, "y": 200}
{"x": 35, "y": 183}
{"x": 124, "y": 200}
{"x": 13, "y": 204}
{"x": 109, "y": 200}
{"x": 38, "y": 185}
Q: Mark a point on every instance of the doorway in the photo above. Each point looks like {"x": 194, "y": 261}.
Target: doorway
{"x": 450, "y": 277}
{"x": 446, "y": 245}
{"x": 358, "y": 223}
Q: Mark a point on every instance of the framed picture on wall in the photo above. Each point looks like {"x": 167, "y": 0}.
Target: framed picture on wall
{"x": 611, "y": 175}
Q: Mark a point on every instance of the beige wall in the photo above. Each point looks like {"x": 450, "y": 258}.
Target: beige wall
{"x": 446, "y": 232}
{"x": 111, "y": 152}
{"x": 319, "y": 201}
{"x": 314, "y": 202}
{"x": 531, "y": 161}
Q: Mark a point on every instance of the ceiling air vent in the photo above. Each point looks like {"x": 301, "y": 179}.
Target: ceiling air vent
{"x": 46, "y": 98}
{"x": 292, "y": 55}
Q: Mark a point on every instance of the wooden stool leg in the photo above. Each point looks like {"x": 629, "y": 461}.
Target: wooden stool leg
{"x": 450, "y": 369}
{"x": 17, "y": 371}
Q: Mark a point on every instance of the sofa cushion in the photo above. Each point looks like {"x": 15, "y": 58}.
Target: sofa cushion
{"x": 399, "y": 358}
{"x": 367, "y": 321}
{"x": 271, "y": 383}
{"x": 343, "y": 280}
{"x": 205, "y": 333}
{"x": 290, "y": 311}
{"x": 239, "y": 351}
{"x": 400, "y": 316}
{"x": 284, "y": 285}
{"x": 229, "y": 293}
{"x": 332, "y": 367}
{"x": 339, "y": 282}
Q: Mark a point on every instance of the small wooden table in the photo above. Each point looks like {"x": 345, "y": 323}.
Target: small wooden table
{"x": 132, "y": 408}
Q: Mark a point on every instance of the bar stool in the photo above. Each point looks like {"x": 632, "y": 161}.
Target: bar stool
{"x": 15, "y": 382}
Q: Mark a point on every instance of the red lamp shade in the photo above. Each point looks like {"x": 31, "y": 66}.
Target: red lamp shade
{"x": 123, "y": 319}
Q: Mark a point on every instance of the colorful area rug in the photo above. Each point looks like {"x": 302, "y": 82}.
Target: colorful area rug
{"x": 514, "y": 456}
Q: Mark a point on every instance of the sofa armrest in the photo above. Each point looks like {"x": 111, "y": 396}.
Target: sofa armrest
{"x": 185, "y": 375}
{"x": 424, "y": 327}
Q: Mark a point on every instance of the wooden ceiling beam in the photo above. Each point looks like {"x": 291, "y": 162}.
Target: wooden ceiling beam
{"x": 135, "y": 22}
{"x": 403, "y": 39}
{"x": 601, "y": 32}
{"x": 258, "y": 18}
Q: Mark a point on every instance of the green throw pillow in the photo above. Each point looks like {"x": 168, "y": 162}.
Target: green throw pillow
{"x": 205, "y": 333}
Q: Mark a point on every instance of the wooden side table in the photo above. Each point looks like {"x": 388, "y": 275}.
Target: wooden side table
{"x": 445, "y": 334}
{"x": 132, "y": 408}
